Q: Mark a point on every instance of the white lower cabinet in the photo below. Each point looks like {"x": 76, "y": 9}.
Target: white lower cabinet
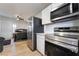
{"x": 41, "y": 43}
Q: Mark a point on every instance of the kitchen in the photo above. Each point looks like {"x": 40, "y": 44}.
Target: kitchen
{"x": 53, "y": 31}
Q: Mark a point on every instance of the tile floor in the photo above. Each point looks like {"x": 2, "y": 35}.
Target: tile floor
{"x": 18, "y": 49}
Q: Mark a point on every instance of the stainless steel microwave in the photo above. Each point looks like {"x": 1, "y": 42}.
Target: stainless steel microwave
{"x": 64, "y": 9}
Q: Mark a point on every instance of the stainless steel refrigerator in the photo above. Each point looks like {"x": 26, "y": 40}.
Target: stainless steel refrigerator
{"x": 34, "y": 26}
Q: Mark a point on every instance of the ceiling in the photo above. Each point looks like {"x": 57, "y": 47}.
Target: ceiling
{"x": 24, "y": 10}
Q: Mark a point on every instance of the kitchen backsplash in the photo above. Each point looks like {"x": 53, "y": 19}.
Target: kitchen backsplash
{"x": 50, "y": 27}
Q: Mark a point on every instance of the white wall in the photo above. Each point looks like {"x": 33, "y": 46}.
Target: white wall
{"x": 6, "y": 27}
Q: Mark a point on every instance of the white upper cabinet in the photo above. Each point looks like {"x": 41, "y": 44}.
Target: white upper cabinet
{"x": 46, "y": 12}
{"x": 56, "y": 5}
{"x": 46, "y": 15}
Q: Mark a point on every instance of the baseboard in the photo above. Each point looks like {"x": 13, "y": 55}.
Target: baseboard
{"x": 40, "y": 53}
{"x": 19, "y": 40}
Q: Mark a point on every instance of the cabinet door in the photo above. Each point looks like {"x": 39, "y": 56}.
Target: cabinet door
{"x": 46, "y": 15}
{"x": 41, "y": 44}
{"x": 55, "y": 6}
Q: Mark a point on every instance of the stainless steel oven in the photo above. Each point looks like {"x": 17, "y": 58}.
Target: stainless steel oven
{"x": 67, "y": 38}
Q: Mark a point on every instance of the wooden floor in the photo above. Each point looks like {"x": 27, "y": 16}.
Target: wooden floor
{"x": 18, "y": 49}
